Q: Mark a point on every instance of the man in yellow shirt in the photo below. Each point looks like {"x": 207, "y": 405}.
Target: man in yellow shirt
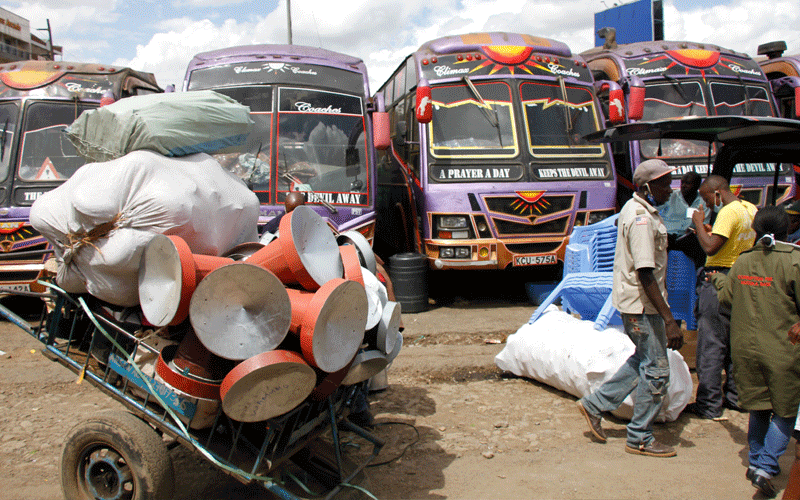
{"x": 731, "y": 235}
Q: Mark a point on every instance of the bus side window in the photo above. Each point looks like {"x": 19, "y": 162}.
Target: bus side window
{"x": 399, "y": 126}
{"x": 412, "y": 135}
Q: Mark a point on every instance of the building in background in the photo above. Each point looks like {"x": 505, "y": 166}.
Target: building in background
{"x": 19, "y": 44}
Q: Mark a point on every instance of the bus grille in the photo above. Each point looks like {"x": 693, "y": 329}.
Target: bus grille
{"x": 518, "y": 207}
{"x": 512, "y": 228}
{"x": 18, "y": 276}
{"x": 24, "y": 238}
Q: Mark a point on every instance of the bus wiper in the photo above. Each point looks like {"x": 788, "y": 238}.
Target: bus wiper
{"x": 567, "y": 114}
{"x": 485, "y": 108}
{"x": 746, "y": 97}
{"x": 255, "y": 166}
{"x": 3, "y": 141}
{"x": 677, "y": 84}
{"x": 291, "y": 178}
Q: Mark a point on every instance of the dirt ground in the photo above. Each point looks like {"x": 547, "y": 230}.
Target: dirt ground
{"x": 455, "y": 427}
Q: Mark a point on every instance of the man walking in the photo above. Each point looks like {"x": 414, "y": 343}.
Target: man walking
{"x": 731, "y": 235}
{"x": 639, "y": 294}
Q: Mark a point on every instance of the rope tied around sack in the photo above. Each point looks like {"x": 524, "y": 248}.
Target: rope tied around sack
{"x": 80, "y": 239}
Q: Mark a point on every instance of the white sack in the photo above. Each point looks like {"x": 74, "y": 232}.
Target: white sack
{"x": 192, "y": 197}
{"x": 569, "y": 354}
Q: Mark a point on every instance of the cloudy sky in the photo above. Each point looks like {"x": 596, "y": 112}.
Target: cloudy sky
{"x": 162, "y": 36}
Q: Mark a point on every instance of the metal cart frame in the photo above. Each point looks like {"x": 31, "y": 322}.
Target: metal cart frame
{"x": 82, "y": 334}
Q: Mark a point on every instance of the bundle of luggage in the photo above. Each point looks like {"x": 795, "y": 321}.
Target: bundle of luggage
{"x": 160, "y": 229}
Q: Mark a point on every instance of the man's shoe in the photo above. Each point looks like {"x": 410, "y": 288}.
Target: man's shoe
{"x": 693, "y": 409}
{"x": 653, "y": 449}
{"x": 750, "y": 474}
{"x": 764, "y": 485}
{"x": 594, "y": 423}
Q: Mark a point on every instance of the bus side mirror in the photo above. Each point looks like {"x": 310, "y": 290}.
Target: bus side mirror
{"x": 797, "y": 102}
{"x": 616, "y": 106}
{"x": 636, "y": 103}
{"x": 424, "y": 103}
{"x": 380, "y": 130}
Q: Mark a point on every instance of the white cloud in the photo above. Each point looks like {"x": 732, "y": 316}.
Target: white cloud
{"x": 382, "y": 32}
{"x": 67, "y": 16}
{"x": 741, "y": 26}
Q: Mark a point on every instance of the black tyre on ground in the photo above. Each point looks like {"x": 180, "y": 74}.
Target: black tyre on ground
{"x": 115, "y": 455}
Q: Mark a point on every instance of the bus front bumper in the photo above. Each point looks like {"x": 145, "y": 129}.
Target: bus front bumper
{"x": 485, "y": 254}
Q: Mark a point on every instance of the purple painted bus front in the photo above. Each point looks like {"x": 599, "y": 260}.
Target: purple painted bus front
{"x": 313, "y": 128}
{"x": 681, "y": 79}
{"x": 487, "y": 167}
{"x": 38, "y": 100}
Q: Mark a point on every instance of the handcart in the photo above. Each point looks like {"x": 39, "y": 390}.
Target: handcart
{"x": 122, "y": 455}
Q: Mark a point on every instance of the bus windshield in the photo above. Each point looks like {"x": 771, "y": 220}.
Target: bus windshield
{"x": 8, "y": 120}
{"x": 251, "y": 162}
{"x": 729, "y": 99}
{"x": 45, "y": 151}
{"x": 557, "y": 118}
{"x": 322, "y": 144}
{"x": 673, "y": 99}
{"x": 473, "y": 123}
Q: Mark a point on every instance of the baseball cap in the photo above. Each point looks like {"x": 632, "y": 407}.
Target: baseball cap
{"x": 794, "y": 208}
{"x": 649, "y": 170}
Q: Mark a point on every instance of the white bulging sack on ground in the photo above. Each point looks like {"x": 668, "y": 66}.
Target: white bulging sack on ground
{"x": 100, "y": 220}
{"x": 567, "y": 353}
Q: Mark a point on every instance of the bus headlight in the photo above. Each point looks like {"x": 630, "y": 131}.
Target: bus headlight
{"x": 462, "y": 252}
{"x": 453, "y": 227}
{"x": 454, "y": 253}
{"x": 452, "y": 222}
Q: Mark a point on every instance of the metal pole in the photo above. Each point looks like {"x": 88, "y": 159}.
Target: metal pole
{"x": 289, "y": 18}
{"x": 50, "y": 41}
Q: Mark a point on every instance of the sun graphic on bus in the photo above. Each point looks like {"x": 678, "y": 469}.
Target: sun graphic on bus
{"x": 529, "y": 201}
{"x": 506, "y": 56}
{"x": 275, "y": 67}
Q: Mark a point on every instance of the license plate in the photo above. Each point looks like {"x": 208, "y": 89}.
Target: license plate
{"x": 15, "y": 288}
{"x": 534, "y": 260}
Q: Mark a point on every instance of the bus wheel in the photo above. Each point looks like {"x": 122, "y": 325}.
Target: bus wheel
{"x": 115, "y": 455}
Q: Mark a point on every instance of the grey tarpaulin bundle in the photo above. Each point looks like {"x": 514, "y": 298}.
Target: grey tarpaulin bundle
{"x": 172, "y": 124}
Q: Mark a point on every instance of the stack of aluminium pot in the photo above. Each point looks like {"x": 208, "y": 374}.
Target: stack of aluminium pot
{"x": 271, "y": 325}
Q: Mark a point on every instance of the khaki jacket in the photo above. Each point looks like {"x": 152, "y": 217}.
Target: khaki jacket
{"x": 763, "y": 291}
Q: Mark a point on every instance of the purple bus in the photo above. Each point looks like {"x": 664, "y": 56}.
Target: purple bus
{"x": 783, "y": 72}
{"x": 313, "y": 128}
{"x": 487, "y": 167}
{"x": 38, "y": 100}
{"x": 669, "y": 79}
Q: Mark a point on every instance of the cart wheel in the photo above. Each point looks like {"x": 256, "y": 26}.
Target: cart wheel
{"x": 115, "y": 456}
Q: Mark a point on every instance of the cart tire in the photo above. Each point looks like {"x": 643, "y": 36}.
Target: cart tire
{"x": 115, "y": 455}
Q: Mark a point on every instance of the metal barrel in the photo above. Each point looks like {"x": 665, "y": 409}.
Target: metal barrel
{"x": 409, "y": 274}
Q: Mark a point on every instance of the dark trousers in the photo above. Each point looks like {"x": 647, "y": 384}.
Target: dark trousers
{"x": 713, "y": 352}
